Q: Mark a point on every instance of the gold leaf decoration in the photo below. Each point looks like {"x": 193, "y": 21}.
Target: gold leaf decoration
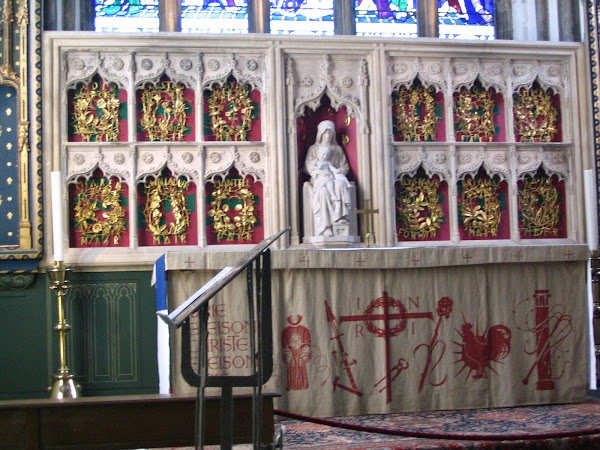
{"x": 415, "y": 114}
{"x": 230, "y": 111}
{"x": 474, "y": 115}
{"x": 94, "y": 196}
{"x": 159, "y": 191}
{"x": 480, "y": 207}
{"x": 238, "y": 191}
{"x": 536, "y": 118}
{"x": 420, "y": 213}
{"x": 539, "y": 207}
{"x": 164, "y": 111}
{"x": 96, "y": 112}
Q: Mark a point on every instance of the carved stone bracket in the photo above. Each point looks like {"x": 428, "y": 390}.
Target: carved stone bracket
{"x": 340, "y": 78}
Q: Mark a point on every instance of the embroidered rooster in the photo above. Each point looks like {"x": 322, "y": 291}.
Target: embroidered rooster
{"x": 479, "y": 350}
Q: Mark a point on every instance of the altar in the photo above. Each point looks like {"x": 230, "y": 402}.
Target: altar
{"x": 379, "y": 330}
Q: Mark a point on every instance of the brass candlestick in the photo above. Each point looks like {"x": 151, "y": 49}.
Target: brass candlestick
{"x": 63, "y": 383}
{"x": 595, "y": 268}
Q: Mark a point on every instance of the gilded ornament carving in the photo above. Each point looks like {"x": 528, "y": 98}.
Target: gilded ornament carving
{"x": 420, "y": 213}
{"x": 96, "y": 112}
{"x": 164, "y": 111}
{"x": 233, "y": 190}
{"x": 536, "y": 118}
{"x": 539, "y": 207}
{"x": 158, "y": 192}
{"x": 94, "y": 196}
{"x": 415, "y": 115}
{"x": 474, "y": 115}
{"x": 480, "y": 207}
{"x": 230, "y": 111}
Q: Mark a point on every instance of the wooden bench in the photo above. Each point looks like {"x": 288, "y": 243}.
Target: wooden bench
{"x": 123, "y": 421}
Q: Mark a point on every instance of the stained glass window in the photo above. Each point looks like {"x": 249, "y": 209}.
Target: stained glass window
{"x": 466, "y": 19}
{"x": 126, "y": 15}
{"x": 386, "y": 18}
{"x": 302, "y": 17}
{"x": 458, "y": 19}
{"x": 214, "y": 16}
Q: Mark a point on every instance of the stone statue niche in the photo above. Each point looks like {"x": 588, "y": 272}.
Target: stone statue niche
{"x": 329, "y": 198}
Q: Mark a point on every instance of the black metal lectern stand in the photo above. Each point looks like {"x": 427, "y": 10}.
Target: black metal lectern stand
{"x": 257, "y": 264}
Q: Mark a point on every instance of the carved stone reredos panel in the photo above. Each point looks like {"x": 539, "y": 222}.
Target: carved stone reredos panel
{"x": 244, "y": 67}
{"x": 429, "y": 71}
{"x": 341, "y": 77}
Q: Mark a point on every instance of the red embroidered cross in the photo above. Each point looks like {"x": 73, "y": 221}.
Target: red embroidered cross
{"x": 518, "y": 256}
{"x": 385, "y": 304}
{"x": 189, "y": 261}
{"x": 467, "y": 257}
{"x": 360, "y": 261}
{"x": 304, "y": 260}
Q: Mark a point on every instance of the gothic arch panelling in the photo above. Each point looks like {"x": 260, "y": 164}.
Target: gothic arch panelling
{"x": 341, "y": 78}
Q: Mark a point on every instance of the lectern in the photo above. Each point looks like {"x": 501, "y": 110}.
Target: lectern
{"x": 257, "y": 264}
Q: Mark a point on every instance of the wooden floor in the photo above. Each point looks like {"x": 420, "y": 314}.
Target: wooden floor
{"x": 122, "y": 422}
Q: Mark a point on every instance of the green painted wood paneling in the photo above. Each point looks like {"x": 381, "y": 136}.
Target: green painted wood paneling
{"x": 113, "y": 341}
{"x": 24, "y": 334}
{"x": 111, "y": 347}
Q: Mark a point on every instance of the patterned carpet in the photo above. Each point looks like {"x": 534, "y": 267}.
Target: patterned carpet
{"x": 572, "y": 426}
{"x": 509, "y": 422}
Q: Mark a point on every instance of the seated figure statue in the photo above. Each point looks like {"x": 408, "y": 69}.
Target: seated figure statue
{"x": 331, "y": 198}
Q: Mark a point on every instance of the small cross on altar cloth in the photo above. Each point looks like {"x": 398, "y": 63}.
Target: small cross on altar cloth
{"x": 368, "y": 212}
